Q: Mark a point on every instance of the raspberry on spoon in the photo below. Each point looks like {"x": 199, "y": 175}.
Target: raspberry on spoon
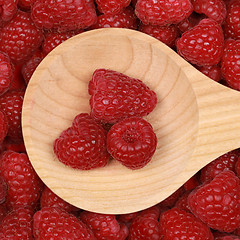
{"x": 115, "y": 96}
{"x": 132, "y": 142}
{"x": 83, "y": 146}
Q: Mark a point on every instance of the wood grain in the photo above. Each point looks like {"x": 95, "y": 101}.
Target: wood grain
{"x": 195, "y": 120}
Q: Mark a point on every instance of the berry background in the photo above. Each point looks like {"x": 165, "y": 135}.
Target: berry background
{"x": 205, "y": 33}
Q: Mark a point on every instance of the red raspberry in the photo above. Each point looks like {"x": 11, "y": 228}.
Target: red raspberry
{"x": 218, "y": 202}
{"x": 11, "y": 104}
{"x": 232, "y": 23}
{"x": 54, "y": 223}
{"x": 18, "y": 82}
{"x": 165, "y": 34}
{"x": 53, "y": 39}
{"x": 104, "y": 226}
{"x": 163, "y": 12}
{"x": 82, "y": 146}
{"x": 145, "y": 225}
{"x": 6, "y": 73}
{"x": 203, "y": 44}
{"x": 132, "y": 142}
{"x": 8, "y": 10}
{"x": 125, "y": 19}
{"x": 30, "y": 66}
{"x": 64, "y": 15}
{"x": 17, "y": 224}
{"x": 115, "y": 96}
{"x": 215, "y": 9}
{"x": 3, "y": 126}
{"x": 178, "y": 224}
{"x": 224, "y": 162}
{"x": 3, "y": 190}
{"x": 213, "y": 72}
{"x": 113, "y": 6}
{"x": 25, "y": 4}
{"x": 50, "y": 199}
{"x": 24, "y": 186}
{"x": 230, "y": 64}
{"x": 172, "y": 199}
{"x": 182, "y": 202}
{"x": 20, "y": 38}
{"x": 190, "y": 22}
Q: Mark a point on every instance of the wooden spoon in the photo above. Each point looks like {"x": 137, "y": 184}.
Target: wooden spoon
{"x": 195, "y": 120}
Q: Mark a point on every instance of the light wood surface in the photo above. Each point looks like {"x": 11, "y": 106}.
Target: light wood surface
{"x": 195, "y": 120}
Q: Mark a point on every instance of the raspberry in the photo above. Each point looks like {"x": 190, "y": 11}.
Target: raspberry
{"x": 11, "y": 104}
{"x": 230, "y": 64}
{"x": 190, "y": 22}
{"x": 215, "y": 9}
{"x": 163, "y": 12}
{"x": 24, "y": 186}
{"x": 54, "y": 223}
{"x": 115, "y": 96}
{"x": 6, "y": 73}
{"x": 218, "y": 202}
{"x": 145, "y": 225}
{"x": 232, "y": 23}
{"x": 104, "y": 226}
{"x": 3, "y": 190}
{"x": 165, "y": 34}
{"x": 64, "y": 15}
{"x": 8, "y": 10}
{"x": 178, "y": 224}
{"x": 224, "y": 162}
{"x": 17, "y": 224}
{"x": 124, "y": 19}
{"x": 113, "y": 6}
{"x": 20, "y": 38}
{"x": 132, "y": 142}
{"x": 50, "y": 199}
{"x": 30, "y": 66}
{"x": 83, "y": 146}
{"x": 203, "y": 44}
{"x": 53, "y": 39}
{"x": 213, "y": 72}
{"x": 3, "y": 126}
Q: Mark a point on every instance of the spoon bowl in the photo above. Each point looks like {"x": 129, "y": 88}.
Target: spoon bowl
{"x": 195, "y": 120}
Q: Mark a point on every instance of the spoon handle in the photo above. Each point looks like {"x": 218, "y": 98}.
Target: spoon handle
{"x": 219, "y": 119}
